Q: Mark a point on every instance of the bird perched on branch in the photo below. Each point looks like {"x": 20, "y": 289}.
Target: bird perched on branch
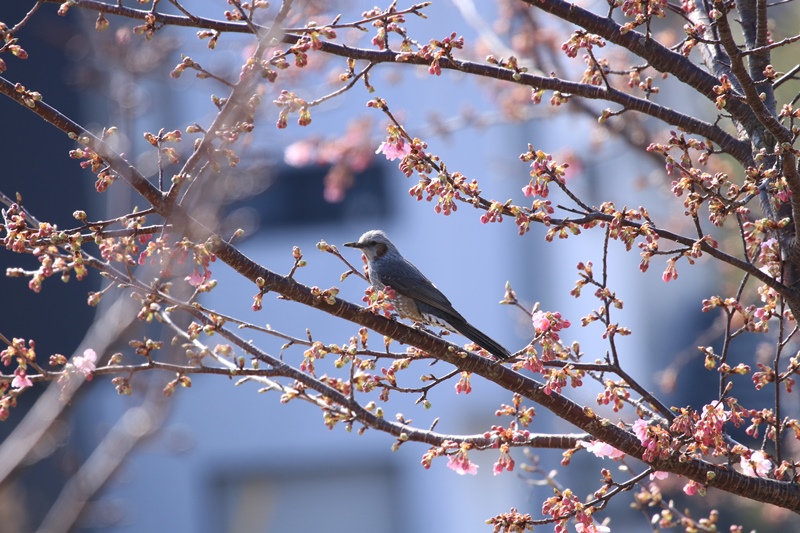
{"x": 415, "y": 297}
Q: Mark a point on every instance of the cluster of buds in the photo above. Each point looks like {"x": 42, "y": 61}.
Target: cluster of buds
{"x": 289, "y": 102}
{"x": 641, "y": 12}
{"x": 435, "y": 50}
{"x": 390, "y": 21}
{"x": 543, "y": 171}
{"x": 581, "y": 39}
{"x": 379, "y": 301}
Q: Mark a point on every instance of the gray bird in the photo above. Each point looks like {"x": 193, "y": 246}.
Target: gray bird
{"x": 415, "y": 297}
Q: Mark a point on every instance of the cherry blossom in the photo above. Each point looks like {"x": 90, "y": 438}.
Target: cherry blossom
{"x": 459, "y": 462}
{"x": 602, "y": 450}
{"x": 692, "y": 488}
{"x": 195, "y": 279}
{"x": 757, "y": 465}
{"x": 21, "y": 380}
{"x": 85, "y": 364}
{"x": 540, "y": 321}
{"x": 640, "y": 430}
{"x": 394, "y": 151}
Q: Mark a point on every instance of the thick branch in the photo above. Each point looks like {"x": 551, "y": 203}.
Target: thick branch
{"x": 763, "y": 114}
{"x": 657, "y": 55}
{"x": 782, "y": 135}
{"x": 753, "y": 21}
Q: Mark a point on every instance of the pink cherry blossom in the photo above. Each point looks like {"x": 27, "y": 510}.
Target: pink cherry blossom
{"x": 195, "y": 279}
{"x": 540, "y": 321}
{"x": 394, "y": 151}
{"x": 767, "y": 244}
{"x": 757, "y": 465}
{"x": 85, "y": 364}
{"x": 460, "y": 463}
{"x": 658, "y": 474}
{"x": 601, "y": 449}
{"x": 21, "y": 380}
{"x": 640, "y": 430}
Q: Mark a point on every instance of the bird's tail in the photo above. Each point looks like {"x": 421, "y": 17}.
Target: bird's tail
{"x": 480, "y": 338}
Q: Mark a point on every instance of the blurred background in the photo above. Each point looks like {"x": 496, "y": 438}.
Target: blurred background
{"x": 220, "y": 458}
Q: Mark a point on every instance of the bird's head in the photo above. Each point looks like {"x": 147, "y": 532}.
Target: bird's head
{"x": 374, "y": 244}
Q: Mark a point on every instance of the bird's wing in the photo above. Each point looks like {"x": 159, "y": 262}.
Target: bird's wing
{"x": 425, "y": 293}
{"x": 422, "y": 291}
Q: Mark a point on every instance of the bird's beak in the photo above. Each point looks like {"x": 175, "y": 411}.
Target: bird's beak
{"x": 352, "y": 245}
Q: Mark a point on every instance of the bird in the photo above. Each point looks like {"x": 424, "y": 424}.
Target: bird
{"x": 415, "y": 296}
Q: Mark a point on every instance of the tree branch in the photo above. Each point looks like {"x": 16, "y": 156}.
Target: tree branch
{"x": 678, "y": 65}
{"x": 647, "y": 48}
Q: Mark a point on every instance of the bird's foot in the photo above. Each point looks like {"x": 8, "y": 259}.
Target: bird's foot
{"x": 424, "y": 327}
{"x": 500, "y": 360}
